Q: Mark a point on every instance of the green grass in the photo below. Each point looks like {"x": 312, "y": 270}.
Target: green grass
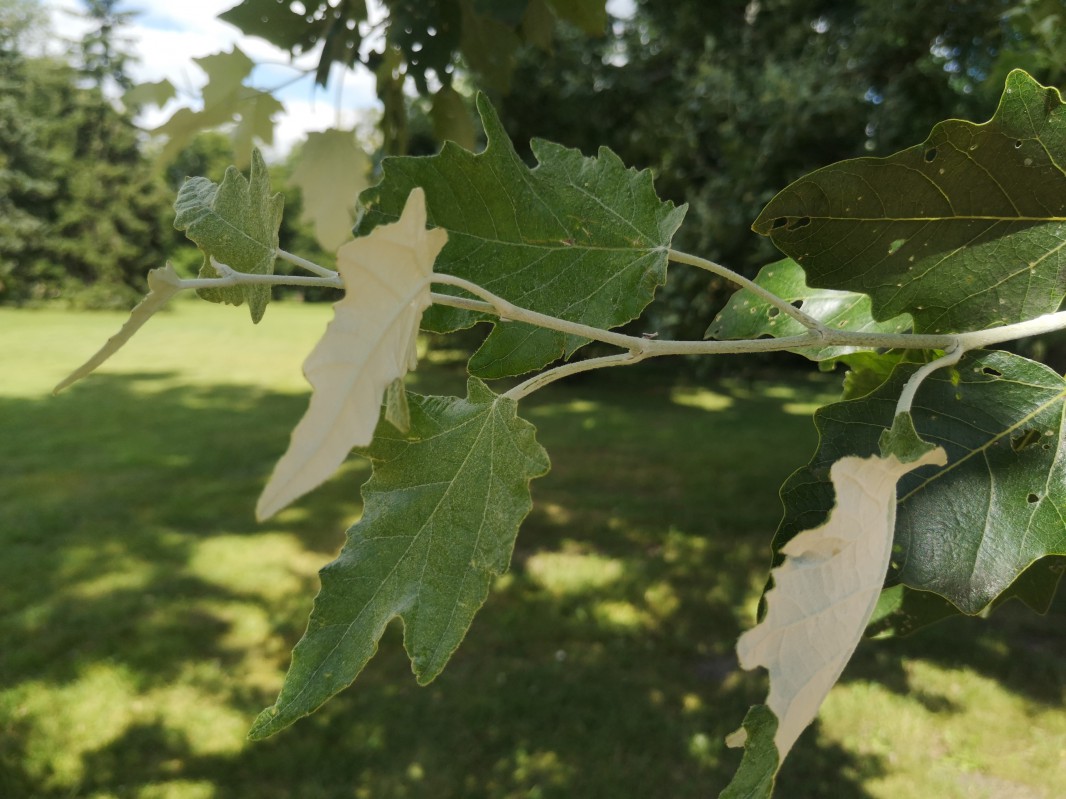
{"x": 145, "y": 618}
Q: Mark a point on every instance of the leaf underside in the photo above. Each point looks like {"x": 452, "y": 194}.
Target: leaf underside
{"x": 584, "y": 239}
{"x": 969, "y": 531}
{"x": 748, "y": 316}
{"x": 236, "y": 223}
{"x": 440, "y": 516}
{"x": 964, "y": 231}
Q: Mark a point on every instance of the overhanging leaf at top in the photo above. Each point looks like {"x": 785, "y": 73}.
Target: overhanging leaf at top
{"x": 440, "y": 517}
{"x": 963, "y": 232}
{"x": 969, "y": 530}
{"x": 747, "y": 315}
{"x": 580, "y": 238}
{"x": 235, "y": 222}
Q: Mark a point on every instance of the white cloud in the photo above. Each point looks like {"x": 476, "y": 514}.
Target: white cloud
{"x": 167, "y": 36}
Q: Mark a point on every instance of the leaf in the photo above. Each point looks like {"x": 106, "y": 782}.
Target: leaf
{"x": 222, "y": 94}
{"x": 369, "y": 344}
{"x": 451, "y": 120}
{"x": 589, "y": 15}
{"x": 256, "y": 112}
{"x": 902, "y": 610}
{"x": 298, "y": 28}
{"x": 440, "y": 516}
{"x": 237, "y": 224}
{"x": 580, "y": 238}
{"x": 964, "y": 231}
{"x": 163, "y": 283}
{"x": 758, "y": 768}
{"x": 965, "y": 532}
{"x": 489, "y": 46}
{"x": 331, "y": 171}
{"x": 157, "y": 93}
{"x": 825, "y": 592}
{"x": 748, "y": 316}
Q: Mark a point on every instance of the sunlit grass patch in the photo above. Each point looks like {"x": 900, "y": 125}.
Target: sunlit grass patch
{"x": 145, "y": 617}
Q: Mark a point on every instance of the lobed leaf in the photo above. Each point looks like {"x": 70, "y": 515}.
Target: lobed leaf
{"x": 440, "y": 517}
{"x": 235, "y": 222}
{"x": 331, "y": 171}
{"x": 826, "y": 590}
{"x": 585, "y": 239}
{"x": 963, "y": 232}
{"x": 968, "y": 531}
{"x": 748, "y": 316}
{"x": 368, "y": 347}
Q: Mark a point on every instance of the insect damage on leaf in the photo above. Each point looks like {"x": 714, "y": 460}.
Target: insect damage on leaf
{"x": 368, "y": 346}
{"x": 826, "y": 590}
{"x": 964, "y": 231}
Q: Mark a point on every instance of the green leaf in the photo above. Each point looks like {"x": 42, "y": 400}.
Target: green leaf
{"x": 968, "y": 530}
{"x": 256, "y": 112}
{"x": 440, "y": 516}
{"x": 589, "y": 15}
{"x": 451, "y": 119}
{"x": 580, "y": 238}
{"x": 334, "y": 23}
{"x": 330, "y": 172}
{"x": 964, "y": 231}
{"x": 489, "y": 46}
{"x": 903, "y": 441}
{"x": 225, "y": 98}
{"x": 748, "y": 316}
{"x": 237, "y": 224}
{"x": 902, "y": 610}
{"x": 157, "y": 94}
{"x": 755, "y": 776}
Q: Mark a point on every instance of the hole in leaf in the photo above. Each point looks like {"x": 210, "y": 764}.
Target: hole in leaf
{"x": 988, "y": 370}
{"x": 1024, "y": 440}
{"x": 797, "y": 304}
{"x": 780, "y": 222}
{"x": 773, "y": 312}
{"x": 1018, "y": 144}
{"x": 931, "y": 154}
{"x": 1032, "y": 499}
{"x": 796, "y": 224}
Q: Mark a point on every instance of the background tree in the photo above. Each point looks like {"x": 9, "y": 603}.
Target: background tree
{"x": 728, "y": 114}
{"x": 87, "y": 214}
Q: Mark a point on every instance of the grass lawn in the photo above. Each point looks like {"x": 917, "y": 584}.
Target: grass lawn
{"x": 145, "y": 618}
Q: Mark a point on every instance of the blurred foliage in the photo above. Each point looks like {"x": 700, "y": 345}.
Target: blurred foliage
{"x": 727, "y": 112}
{"x": 85, "y": 215}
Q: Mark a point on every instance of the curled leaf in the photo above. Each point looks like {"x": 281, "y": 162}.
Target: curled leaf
{"x": 163, "y": 283}
{"x": 826, "y": 590}
{"x": 369, "y": 344}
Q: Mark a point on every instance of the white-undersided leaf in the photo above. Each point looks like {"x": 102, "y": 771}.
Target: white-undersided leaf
{"x": 331, "y": 172}
{"x": 369, "y": 344}
{"x": 826, "y": 590}
{"x": 440, "y": 516}
{"x": 163, "y": 283}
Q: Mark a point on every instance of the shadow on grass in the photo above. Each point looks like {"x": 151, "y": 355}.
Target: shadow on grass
{"x": 602, "y": 666}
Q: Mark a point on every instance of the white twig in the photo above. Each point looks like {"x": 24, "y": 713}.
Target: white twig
{"x": 784, "y": 306}
{"x": 538, "y": 382}
{"x": 910, "y": 388}
{"x": 303, "y": 263}
{"x": 639, "y": 348}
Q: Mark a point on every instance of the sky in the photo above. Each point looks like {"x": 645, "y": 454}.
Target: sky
{"x": 166, "y": 36}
